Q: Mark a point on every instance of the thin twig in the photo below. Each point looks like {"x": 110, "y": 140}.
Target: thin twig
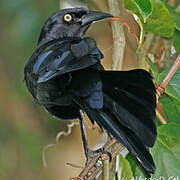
{"x": 160, "y": 117}
{"x": 113, "y": 169}
{"x": 61, "y": 133}
{"x": 170, "y": 74}
{"x": 66, "y": 133}
{"x": 115, "y": 163}
{"x": 105, "y": 172}
{"x": 74, "y": 165}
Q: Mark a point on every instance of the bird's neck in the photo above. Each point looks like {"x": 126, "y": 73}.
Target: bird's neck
{"x": 44, "y": 41}
{"x": 49, "y": 39}
{"x": 47, "y": 36}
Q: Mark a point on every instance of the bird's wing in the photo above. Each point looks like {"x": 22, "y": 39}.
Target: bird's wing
{"x": 61, "y": 58}
{"x": 87, "y": 84}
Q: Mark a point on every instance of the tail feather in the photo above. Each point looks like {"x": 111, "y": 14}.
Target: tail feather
{"x": 134, "y": 103}
{"x": 124, "y": 135}
{"x": 146, "y": 132}
{"x": 137, "y": 82}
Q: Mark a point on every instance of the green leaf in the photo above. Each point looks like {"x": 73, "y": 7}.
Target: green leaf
{"x": 161, "y": 22}
{"x": 177, "y": 105}
{"x": 173, "y": 89}
{"x": 166, "y": 151}
{"x": 144, "y": 7}
{"x": 158, "y": 20}
{"x": 136, "y": 168}
{"x": 132, "y": 6}
{"x": 153, "y": 69}
{"x": 170, "y": 109}
{"x": 175, "y": 15}
{"x": 176, "y": 41}
{"x": 124, "y": 171}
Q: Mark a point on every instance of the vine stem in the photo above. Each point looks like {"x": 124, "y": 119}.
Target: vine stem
{"x": 142, "y": 54}
{"x": 160, "y": 117}
{"x": 170, "y": 74}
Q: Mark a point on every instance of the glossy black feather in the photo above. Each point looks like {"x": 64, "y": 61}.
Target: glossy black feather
{"x": 64, "y": 75}
{"x": 133, "y": 125}
{"x": 134, "y": 97}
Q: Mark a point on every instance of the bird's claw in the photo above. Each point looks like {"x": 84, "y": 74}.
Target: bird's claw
{"x": 91, "y": 154}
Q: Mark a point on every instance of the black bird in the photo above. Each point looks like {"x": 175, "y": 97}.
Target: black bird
{"x": 64, "y": 75}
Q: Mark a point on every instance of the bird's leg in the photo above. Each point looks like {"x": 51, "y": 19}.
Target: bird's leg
{"x": 88, "y": 152}
{"x": 84, "y": 137}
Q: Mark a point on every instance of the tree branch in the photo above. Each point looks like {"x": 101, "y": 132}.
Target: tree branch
{"x": 118, "y": 36}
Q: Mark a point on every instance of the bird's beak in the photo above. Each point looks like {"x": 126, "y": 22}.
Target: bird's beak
{"x": 93, "y": 16}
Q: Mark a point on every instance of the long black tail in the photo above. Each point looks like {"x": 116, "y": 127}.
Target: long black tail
{"x": 128, "y": 112}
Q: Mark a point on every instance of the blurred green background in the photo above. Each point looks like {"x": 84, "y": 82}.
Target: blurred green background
{"x": 25, "y": 128}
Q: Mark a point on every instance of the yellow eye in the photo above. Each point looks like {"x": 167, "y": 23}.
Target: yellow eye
{"x": 67, "y": 17}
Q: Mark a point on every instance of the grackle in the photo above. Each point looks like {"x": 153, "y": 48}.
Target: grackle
{"x": 64, "y": 74}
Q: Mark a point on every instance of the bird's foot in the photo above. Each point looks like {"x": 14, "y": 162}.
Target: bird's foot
{"x": 92, "y": 153}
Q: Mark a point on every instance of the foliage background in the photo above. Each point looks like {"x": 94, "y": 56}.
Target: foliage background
{"x": 25, "y": 128}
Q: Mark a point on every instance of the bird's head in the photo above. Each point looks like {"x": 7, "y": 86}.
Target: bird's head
{"x": 69, "y": 23}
